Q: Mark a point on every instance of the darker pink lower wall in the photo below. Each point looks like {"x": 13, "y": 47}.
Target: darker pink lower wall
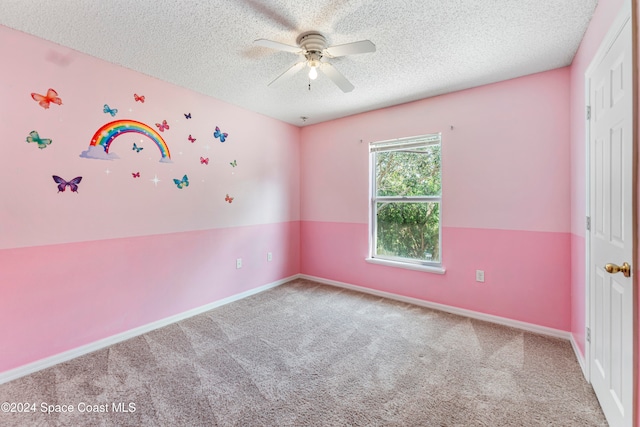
{"x": 578, "y": 301}
{"x": 57, "y": 298}
{"x": 526, "y": 272}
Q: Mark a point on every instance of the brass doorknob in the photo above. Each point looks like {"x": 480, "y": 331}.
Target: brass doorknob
{"x": 613, "y": 269}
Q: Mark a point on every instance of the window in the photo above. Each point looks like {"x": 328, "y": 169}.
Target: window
{"x": 405, "y": 225}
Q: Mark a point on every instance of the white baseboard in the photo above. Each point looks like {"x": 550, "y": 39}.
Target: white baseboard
{"x": 581, "y": 360}
{"x": 47, "y": 362}
{"x": 529, "y": 327}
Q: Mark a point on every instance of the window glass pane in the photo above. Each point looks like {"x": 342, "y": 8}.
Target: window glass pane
{"x": 408, "y": 173}
{"x": 408, "y": 230}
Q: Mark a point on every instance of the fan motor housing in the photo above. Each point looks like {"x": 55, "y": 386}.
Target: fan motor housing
{"x": 312, "y": 41}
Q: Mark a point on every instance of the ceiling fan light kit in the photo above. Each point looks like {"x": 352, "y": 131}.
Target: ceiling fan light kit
{"x": 312, "y": 45}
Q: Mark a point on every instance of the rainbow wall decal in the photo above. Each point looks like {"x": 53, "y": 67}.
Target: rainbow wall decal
{"x": 102, "y": 139}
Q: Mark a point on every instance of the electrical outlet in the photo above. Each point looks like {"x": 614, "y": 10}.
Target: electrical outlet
{"x": 239, "y": 263}
{"x": 269, "y": 256}
{"x": 480, "y": 276}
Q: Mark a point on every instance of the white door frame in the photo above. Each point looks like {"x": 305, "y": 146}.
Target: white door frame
{"x": 627, "y": 13}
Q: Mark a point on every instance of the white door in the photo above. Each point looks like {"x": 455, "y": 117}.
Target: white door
{"x": 611, "y": 232}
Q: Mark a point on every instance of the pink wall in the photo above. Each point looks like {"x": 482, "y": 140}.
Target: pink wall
{"x": 505, "y": 201}
{"x": 265, "y": 184}
{"x": 504, "y": 163}
{"x": 123, "y": 252}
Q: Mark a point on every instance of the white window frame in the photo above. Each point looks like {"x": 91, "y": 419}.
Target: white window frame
{"x": 393, "y": 145}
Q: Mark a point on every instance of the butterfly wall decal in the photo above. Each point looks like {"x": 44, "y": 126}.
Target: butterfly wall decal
{"x": 135, "y": 174}
{"x": 187, "y": 115}
{"x": 45, "y": 100}
{"x": 136, "y": 148}
{"x": 228, "y": 199}
{"x": 204, "y": 161}
{"x": 192, "y": 139}
{"x": 112, "y": 111}
{"x": 62, "y": 184}
{"x": 139, "y": 98}
{"x": 234, "y": 164}
{"x": 42, "y": 142}
{"x": 162, "y": 126}
{"x": 219, "y": 134}
{"x": 180, "y": 183}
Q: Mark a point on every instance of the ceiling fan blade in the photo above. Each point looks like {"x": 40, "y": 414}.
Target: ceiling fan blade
{"x": 363, "y": 46}
{"x": 290, "y": 72}
{"x": 277, "y": 45}
{"x": 335, "y": 75}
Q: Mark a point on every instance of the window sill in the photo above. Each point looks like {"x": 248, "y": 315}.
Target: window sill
{"x": 406, "y": 265}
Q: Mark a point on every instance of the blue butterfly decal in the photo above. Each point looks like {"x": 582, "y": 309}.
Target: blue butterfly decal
{"x": 135, "y": 147}
{"x": 112, "y": 111}
{"x": 187, "y": 116}
{"x": 220, "y": 134}
{"x": 180, "y": 183}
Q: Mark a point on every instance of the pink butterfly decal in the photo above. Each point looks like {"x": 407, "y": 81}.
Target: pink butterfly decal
{"x": 135, "y": 174}
{"x": 204, "y": 161}
{"x": 228, "y": 199}
{"x": 62, "y": 184}
{"x": 192, "y": 139}
{"x": 139, "y": 98}
{"x": 162, "y": 126}
{"x": 46, "y": 100}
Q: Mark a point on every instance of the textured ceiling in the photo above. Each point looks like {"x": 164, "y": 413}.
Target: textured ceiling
{"x": 424, "y": 47}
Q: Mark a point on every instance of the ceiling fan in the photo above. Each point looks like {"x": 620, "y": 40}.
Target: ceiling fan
{"x": 312, "y": 45}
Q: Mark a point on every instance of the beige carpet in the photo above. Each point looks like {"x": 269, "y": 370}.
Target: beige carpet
{"x": 305, "y": 354}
